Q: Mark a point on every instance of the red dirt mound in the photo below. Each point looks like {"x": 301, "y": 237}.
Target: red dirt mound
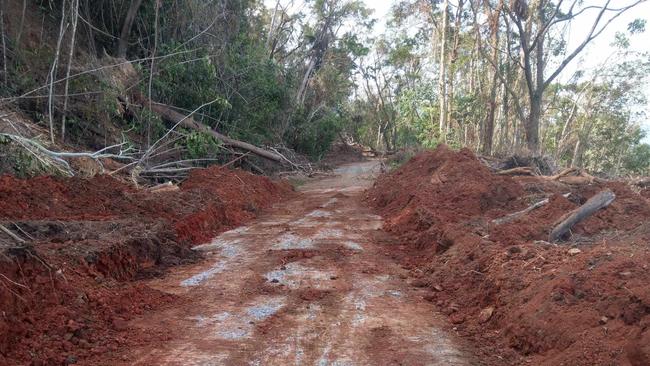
{"x": 209, "y": 201}
{"x": 427, "y": 198}
{"x": 66, "y": 295}
{"x": 503, "y": 285}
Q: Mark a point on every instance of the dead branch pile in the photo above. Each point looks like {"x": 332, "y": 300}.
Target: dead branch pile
{"x": 59, "y": 160}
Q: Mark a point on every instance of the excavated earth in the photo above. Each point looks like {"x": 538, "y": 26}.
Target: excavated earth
{"x": 582, "y": 301}
{"x": 405, "y": 269}
{"x": 67, "y": 293}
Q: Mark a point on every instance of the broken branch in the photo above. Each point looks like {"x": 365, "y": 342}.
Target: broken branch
{"x": 517, "y": 171}
{"x": 515, "y": 215}
{"x": 11, "y": 234}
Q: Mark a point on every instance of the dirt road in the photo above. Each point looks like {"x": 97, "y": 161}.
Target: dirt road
{"x": 306, "y": 284}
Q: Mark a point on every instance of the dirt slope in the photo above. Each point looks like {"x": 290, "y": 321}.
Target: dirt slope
{"x": 67, "y": 295}
{"x": 502, "y": 285}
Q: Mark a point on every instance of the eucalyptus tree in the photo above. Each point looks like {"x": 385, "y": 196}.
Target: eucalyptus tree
{"x": 537, "y": 22}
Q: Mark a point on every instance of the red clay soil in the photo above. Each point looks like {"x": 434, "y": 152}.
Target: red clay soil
{"x": 522, "y": 299}
{"x": 67, "y": 295}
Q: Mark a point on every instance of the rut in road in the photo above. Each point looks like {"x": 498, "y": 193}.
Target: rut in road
{"x": 305, "y": 284}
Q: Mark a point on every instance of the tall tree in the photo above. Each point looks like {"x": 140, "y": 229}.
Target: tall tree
{"x": 535, "y": 23}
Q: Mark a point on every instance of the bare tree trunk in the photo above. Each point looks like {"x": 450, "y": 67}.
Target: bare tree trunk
{"x": 532, "y": 123}
{"x": 52, "y": 76}
{"x": 123, "y": 42}
{"x": 92, "y": 48}
{"x": 21, "y": 25}
{"x": 442, "y": 124}
{"x": 153, "y": 62}
{"x": 269, "y": 36}
{"x": 451, "y": 79}
{"x": 505, "y": 102}
{"x": 4, "y": 45}
{"x": 488, "y": 128}
{"x": 300, "y": 97}
{"x": 74, "y": 11}
{"x": 578, "y": 151}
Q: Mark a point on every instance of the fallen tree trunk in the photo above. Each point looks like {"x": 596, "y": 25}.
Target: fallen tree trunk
{"x": 595, "y": 203}
{"x": 171, "y": 116}
{"x": 515, "y": 215}
{"x": 517, "y": 171}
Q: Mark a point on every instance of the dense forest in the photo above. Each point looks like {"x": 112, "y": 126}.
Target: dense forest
{"x": 490, "y": 75}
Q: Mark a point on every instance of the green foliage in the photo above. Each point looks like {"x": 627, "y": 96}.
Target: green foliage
{"x": 197, "y": 75}
{"x": 638, "y": 160}
{"x": 313, "y": 135}
{"x": 148, "y": 124}
{"x": 200, "y": 145}
{"x": 261, "y": 101}
{"x": 417, "y": 123}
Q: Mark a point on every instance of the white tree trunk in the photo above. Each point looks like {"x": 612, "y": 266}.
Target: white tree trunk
{"x": 441, "y": 80}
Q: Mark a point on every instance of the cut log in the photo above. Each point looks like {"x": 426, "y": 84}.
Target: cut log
{"x": 517, "y": 171}
{"x": 164, "y": 187}
{"x": 515, "y": 215}
{"x": 171, "y": 116}
{"x": 561, "y": 174}
{"x": 595, "y": 203}
{"x": 575, "y": 180}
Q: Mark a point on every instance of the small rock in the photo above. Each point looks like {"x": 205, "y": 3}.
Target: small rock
{"x": 275, "y": 280}
{"x": 70, "y": 360}
{"x": 603, "y": 320}
{"x": 574, "y": 251}
{"x": 457, "y": 319}
{"x": 67, "y": 345}
{"x": 625, "y": 274}
{"x": 485, "y": 314}
{"x": 429, "y": 297}
{"x": 438, "y": 288}
{"x": 120, "y": 324}
{"x": 419, "y": 282}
